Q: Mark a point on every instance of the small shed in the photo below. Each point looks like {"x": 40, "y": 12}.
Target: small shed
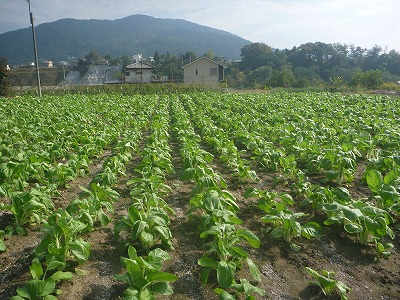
{"x": 139, "y": 72}
{"x": 203, "y": 71}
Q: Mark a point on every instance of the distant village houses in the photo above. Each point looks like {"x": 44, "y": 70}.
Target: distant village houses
{"x": 203, "y": 71}
{"x": 139, "y": 72}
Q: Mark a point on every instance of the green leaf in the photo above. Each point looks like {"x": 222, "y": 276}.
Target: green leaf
{"x": 162, "y": 288}
{"x": 240, "y": 251}
{"x": 36, "y": 269}
{"x": 161, "y": 276}
{"x": 207, "y": 262}
{"x": 225, "y": 273}
{"x": 295, "y": 247}
{"x": 188, "y": 174}
{"x": 204, "y": 274}
{"x": 60, "y": 275}
{"x": 312, "y": 229}
{"x": 391, "y": 176}
{"x": 374, "y": 180}
{"x": 251, "y": 192}
{"x": 352, "y": 213}
{"x": 81, "y": 272}
{"x": 159, "y": 253}
{"x": 2, "y": 246}
{"x": 343, "y": 288}
{"x": 55, "y": 264}
{"x": 40, "y": 288}
{"x": 250, "y": 237}
{"x": 254, "y": 271}
{"x": 130, "y": 294}
{"x": 132, "y": 252}
{"x": 104, "y": 219}
{"x": 223, "y": 295}
{"x": 277, "y": 232}
{"x": 353, "y": 228}
{"x": 252, "y": 174}
{"x": 80, "y": 249}
{"x": 332, "y": 174}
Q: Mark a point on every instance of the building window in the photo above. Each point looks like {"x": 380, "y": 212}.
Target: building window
{"x": 213, "y": 72}
{"x": 197, "y": 72}
{"x": 127, "y": 74}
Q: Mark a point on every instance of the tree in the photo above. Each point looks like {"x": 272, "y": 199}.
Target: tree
{"x": 256, "y": 55}
{"x": 259, "y": 76}
{"x": 93, "y": 58}
{"x": 5, "y": 86}
{"x": 283, "y": 77}
{"x": 156, "y": 57}
{"x": 188, "y": 57}
{"x": 111, "y": 60}
{"x": 125, "y": 60}
{"x": 209, "y": 54}
{"x": 372, "y": 79}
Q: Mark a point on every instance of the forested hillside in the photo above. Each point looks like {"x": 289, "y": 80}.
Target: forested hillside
{"x": 128, "y": 36}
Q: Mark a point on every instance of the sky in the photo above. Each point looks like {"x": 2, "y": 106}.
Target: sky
{"x": 278, "y": 23}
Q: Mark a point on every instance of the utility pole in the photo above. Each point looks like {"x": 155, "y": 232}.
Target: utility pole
{"x": 34, "y": 49}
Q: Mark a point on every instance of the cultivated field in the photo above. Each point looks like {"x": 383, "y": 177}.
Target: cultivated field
{"x": 200, "y": 196}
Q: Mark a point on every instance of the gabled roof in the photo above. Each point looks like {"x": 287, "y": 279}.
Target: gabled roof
{"x": 139, "y": 65}
{"x": 204, "y": 57}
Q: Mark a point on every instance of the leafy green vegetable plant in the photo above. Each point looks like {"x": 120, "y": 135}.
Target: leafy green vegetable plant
{"x": 28, "y": 207}
{"x": 62, "y": 240}
{"x": 144, "y": 276}
{"x": 147, "y": 228}
{"x": 368, "y": 222}
{"x": 385, "y": 188}
{"x": 242, "y": 289}
{"x": 41, "y": 286}
{"x": 287, "y": 226}
{"x": 340, "y": 164}
{"x": 327, "y": 283}
{"x": 383, "y": 249}
{"x": 225, "y": 255}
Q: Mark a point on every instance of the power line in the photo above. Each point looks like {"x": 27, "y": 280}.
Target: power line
{"x": 13, "y": 13}
{"x": 42, "y": 13}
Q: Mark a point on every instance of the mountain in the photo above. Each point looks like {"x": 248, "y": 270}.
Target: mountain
{"x": 127, "y": 36}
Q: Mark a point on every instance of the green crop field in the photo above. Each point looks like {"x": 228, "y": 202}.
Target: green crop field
{"x": 200, "y": 195}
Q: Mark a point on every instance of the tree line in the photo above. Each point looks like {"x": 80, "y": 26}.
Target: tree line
{"x": 314, "y": 64}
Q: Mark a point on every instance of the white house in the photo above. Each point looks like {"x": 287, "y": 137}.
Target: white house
{"x": 139, "y": 72}
{"x": 48, "y": 64}
{"x": 203, "y": 71}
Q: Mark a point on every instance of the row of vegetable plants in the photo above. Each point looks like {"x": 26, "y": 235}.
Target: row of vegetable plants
{"x": 146, "y": 226}
{"x": 217, "y": 209}
{"x": 219, "y": 140}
